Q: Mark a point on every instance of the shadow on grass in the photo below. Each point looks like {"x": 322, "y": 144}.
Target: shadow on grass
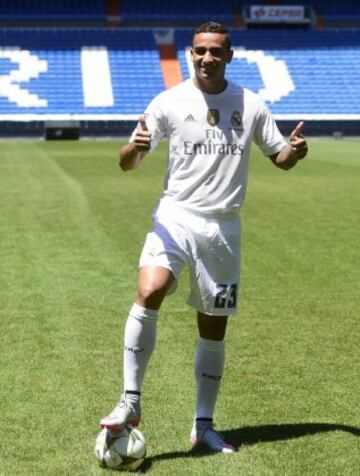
{"x": 251, "y": 435}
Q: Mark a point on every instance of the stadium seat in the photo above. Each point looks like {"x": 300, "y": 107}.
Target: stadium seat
{"x": 317, "y": 71}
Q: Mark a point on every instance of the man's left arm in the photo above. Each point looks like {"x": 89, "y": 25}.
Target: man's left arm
{"x": 288, "y": 157}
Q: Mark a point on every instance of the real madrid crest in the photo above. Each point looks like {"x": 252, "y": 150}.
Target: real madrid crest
{"x": 213, "y": 117}
{"x": 236, "y": 120}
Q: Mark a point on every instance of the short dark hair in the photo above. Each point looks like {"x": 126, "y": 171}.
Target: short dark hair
{"x": 213, "y": 27}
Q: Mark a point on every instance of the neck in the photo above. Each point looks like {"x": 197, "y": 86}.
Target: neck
{"x": 210, "y": 87}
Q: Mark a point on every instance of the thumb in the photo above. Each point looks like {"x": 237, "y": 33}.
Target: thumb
{"x": 298, "y": 130}
{"x": 142, "y": 123}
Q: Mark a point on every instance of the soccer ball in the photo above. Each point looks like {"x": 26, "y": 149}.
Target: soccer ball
{"x": 125, "y": 451}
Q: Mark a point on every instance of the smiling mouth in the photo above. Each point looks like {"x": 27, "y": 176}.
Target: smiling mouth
{"x": 207, "y": 69}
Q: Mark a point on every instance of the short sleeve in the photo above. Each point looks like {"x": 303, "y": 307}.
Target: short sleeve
{"x": 155, "y": 121}
{"x": 267, "y": 135}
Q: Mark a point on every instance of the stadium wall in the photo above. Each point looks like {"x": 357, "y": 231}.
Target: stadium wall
{"x": 123, "y": 128}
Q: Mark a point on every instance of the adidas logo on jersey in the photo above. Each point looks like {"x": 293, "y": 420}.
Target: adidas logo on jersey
{"x": 190, "y": 118}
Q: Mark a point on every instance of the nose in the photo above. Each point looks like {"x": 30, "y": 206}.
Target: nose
{"x": 208, "y": 57}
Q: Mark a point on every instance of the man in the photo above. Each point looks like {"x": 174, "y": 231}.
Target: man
{"x": 210, "y": 124}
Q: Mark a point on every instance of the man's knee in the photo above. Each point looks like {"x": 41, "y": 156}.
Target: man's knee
{"x": 147, "y": 294}
{"x": 153, "y": 286}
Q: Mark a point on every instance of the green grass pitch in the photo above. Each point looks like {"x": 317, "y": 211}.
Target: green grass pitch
{"x": 72, "y": 227}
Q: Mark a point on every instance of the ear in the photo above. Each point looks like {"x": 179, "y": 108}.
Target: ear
{"x": 230, "y": 56}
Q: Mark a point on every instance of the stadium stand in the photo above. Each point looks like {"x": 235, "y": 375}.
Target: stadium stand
{"x": 60, "y": 72}
{"x": 334, "y": 13}
{"x": 59, "y": 11}
{"x": 159, "y": 12}
{"x": 323, "y": 67}
{"x": 108, "y": 75}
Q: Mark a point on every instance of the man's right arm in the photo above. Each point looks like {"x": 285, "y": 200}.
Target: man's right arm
{"x": 132, "y": 153}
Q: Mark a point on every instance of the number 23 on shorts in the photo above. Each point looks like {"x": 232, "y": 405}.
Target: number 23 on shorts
{"x": 226, "y": 296}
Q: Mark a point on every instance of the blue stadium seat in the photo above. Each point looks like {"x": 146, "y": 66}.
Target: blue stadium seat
{"x": 55, "y": 10}
{"x": 323, "y": 65}
{"x": 323, "y": 70}
{"x": 173, "y": 11}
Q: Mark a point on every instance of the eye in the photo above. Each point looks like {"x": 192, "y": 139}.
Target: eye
{"x": 200, "y": 51}
{"x": 216, "y": 52}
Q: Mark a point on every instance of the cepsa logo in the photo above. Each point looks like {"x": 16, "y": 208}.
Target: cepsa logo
{"x": 277, "y": 13}
{"x": 259, "y": 12}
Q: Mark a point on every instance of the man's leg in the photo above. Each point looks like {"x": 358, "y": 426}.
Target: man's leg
{"x": 139, "y": 343}
{"x": 209, "y": 366}
{"x": 209, "y": 362}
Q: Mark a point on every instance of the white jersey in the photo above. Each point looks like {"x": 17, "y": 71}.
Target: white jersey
{"x": 210, "y": 137}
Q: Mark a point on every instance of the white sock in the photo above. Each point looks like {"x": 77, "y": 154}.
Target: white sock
{"x": 209, "y": 366}
{"x": 139, "y": 343}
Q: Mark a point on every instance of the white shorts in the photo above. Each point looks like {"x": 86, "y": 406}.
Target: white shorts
{"x": 208, "y": 245}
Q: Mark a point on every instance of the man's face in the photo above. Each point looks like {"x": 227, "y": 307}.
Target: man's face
{"x": 210, "y": 54}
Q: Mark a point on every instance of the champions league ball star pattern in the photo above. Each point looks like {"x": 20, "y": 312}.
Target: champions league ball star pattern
{"x": 126, "y": 451}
